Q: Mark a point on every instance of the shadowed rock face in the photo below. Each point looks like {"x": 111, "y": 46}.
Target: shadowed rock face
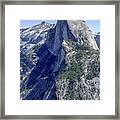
{"x": 51, "y": 55}
{"x": 57, "y": 35}
{"x": 97, "y": 38}
{"x": 54, "y": 50}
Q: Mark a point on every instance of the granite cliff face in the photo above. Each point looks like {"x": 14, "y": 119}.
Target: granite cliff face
{"x": 59, "y": 62}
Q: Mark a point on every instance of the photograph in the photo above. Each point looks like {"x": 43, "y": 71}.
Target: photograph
{"x": 60, "y": 59}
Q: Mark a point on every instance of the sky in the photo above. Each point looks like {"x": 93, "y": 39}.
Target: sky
{"x": 29, "y": 23}
{"x": 94, "y": 25}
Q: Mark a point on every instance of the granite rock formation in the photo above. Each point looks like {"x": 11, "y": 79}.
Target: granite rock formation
{"x": 59, "y": 62}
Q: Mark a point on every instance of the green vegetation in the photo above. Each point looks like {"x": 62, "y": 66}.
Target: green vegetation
{"x": 83, "y": 66}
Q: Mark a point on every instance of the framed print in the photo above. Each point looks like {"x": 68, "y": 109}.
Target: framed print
{"x": 60, "y": 60}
